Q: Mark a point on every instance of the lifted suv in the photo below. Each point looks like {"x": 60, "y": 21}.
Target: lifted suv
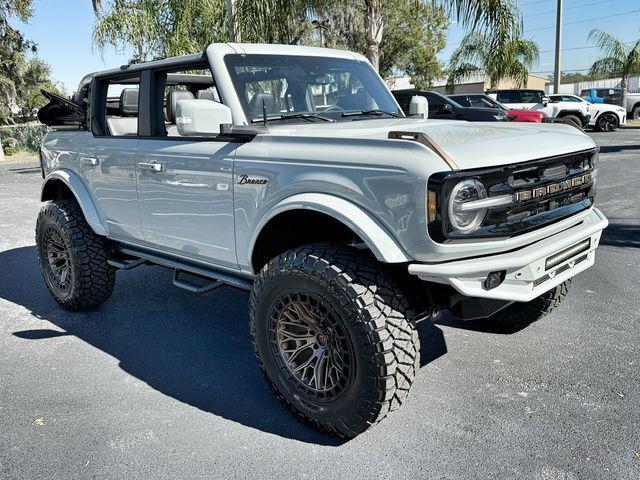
{"x": 291, "y": 172}
{"x": 574, "y": 113}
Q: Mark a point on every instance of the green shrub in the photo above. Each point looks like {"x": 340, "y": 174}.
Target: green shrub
{"x": 26, "y": 136}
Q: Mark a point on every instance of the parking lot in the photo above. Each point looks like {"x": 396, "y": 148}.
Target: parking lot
{"x": 159, "y": 383}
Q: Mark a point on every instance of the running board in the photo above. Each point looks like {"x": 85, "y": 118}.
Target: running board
{"x": 125, "y": 264}
{"x": 217, "y": 278}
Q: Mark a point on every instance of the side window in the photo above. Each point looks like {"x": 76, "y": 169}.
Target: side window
{"x": 435, "y": 103}
{"x": 121, "y": 106}
{"x": 510, "y": 97}
{"x": 585, "y": 93}
{"x": 191, "y": 105}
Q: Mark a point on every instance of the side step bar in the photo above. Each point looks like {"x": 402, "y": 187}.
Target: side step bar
{"x": 216, "y": 278}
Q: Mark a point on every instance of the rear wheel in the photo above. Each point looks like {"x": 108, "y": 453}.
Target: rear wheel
{"x": 519, "y": 315}
{"x": 607, "y": 122}
{"x": 635, "y": 114}
{"x": 72, "y": 258}
{"x": 333, "y": 338}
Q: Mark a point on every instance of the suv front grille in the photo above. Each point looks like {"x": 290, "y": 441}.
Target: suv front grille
{"x": 545, "y": 191}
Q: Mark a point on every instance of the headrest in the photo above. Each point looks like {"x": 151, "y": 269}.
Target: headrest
{"x": 129, "y": 102}
{"x": 258, "y": 99}
{"x": 172, "y": 100}
{"x": 206, "y": 95}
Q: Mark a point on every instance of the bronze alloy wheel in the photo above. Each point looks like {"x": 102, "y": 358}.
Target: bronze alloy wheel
{"x": 311, "y": 345}
{"x": 58, "y": 266}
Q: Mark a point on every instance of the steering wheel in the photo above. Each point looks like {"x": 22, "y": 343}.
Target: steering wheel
{"x": 334, "y": 108}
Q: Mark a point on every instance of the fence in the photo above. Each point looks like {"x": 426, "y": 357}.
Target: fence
{"x": 576, "y": 88}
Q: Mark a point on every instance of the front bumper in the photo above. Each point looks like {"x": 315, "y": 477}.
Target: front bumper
{"x": 528, "y": 274}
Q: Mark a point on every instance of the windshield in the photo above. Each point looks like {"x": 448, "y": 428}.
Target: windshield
{"x": 302, "y": 88}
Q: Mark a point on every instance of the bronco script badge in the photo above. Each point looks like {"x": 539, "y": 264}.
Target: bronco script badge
{"x": 247, "y": 180}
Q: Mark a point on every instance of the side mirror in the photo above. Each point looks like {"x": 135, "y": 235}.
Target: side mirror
{"x": 201, "y": 117}
{"x": 447, "y": 108}
{"x": 419, "y": 106}
{"x": 545, "y": 100}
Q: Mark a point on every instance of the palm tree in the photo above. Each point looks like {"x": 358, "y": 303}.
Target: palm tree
{"x": 287, "y": 21}
{"x": 619, "y": 59}
{"x": 501, "y": 17}
{"x": 496, "y": 57}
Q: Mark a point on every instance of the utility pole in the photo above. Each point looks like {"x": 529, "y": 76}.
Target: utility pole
{"x": 556, "y": 71}
{"x": 230, "y": 17}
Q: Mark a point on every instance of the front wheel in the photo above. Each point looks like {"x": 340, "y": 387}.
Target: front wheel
{"x": 333, "y": 337}
{"x": 573, "y": 120}
{"x": 518, "y": 315}
{"x": 607, "y": 122}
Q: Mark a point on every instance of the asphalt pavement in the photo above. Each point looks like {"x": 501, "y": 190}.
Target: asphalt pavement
{"x": 159, "y": 383}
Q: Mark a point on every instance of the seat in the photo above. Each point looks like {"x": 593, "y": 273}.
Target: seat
{"x": 208, "y": 95}
{"x": 127, "y": 122}
{"x": 172, "y": 101}
{"x": 129, "y": 102}
{"x": 257, "y": 101}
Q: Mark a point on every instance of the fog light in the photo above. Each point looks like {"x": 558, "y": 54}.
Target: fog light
{"x": 494, "y": 279}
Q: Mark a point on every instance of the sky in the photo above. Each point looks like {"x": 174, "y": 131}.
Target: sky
{"x": 62, "y": 29}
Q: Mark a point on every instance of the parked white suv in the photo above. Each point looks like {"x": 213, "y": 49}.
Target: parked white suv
{"x": 604, "y": 116}
{"x": 571, "y": 112}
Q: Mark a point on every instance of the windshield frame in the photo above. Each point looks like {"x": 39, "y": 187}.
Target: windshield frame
{"x": 363, "y": 72}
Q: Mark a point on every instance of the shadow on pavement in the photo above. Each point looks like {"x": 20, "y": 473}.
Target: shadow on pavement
{"x": 621, "y": 235}
{"x": 618, "y": 148}
{"x": 194, "y": 349}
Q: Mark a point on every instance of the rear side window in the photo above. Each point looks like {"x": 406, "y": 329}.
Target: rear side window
{"x": 585, "y": 93}
{"x": 116, "y": 111}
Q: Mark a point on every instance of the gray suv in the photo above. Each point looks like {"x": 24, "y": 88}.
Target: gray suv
{"x": 291, "y": 172}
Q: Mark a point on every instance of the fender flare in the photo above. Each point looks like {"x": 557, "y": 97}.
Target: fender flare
{"x": 81, "y": 193}
{"x": 375, "y": 236}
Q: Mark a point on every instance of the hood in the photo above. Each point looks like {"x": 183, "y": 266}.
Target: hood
{"x": 470, "y": 144}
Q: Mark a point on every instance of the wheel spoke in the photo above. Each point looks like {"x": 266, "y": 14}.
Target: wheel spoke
{"x": 312, "y": 344}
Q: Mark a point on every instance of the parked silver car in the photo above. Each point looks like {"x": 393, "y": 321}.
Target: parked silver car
{"x": 291, "y": 172}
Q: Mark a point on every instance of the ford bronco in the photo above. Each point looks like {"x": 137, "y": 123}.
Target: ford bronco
{"x": 291, "y": 172}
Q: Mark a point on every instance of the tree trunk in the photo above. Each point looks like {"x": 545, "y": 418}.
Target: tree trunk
{"x": 623, "y": 97}
{"x": 373, "y": 24}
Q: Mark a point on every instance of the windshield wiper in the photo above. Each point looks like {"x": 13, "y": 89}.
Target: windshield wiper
{"x": 292, "y": 116}
{"x": 375, "y": 112}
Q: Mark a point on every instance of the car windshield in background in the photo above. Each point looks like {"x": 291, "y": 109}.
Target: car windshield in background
{"x": 520, "y": 96}
{"x": 302, "y": 88}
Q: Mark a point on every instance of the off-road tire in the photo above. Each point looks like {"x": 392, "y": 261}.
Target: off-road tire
{"x": 519, "y": 314}
{"x": 573, "y": 120}
{"x": 90, "y": 279}
{"x": 608, "y": 122}
{"x": 378, "y": 322}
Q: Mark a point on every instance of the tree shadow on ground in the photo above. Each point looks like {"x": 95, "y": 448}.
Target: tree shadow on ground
{"x": 621, "y": 235}
{"x": 196, "y": 350}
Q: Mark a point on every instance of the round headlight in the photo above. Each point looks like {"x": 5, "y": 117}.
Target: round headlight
{"x": 466, "y": 221}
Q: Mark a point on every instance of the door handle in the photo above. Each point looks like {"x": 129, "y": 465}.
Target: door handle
{"x": 91, "y": 161}
{"x": 152, "y": 167}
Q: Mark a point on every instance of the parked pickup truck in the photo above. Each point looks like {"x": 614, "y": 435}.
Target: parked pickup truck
{"x": 601, "y": 95}
{"x": 292, "y": 173}
{"x": 575, "y": 113}
{"x": 614, "y": 96}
